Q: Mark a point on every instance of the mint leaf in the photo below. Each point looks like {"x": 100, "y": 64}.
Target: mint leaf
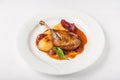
{"x": 60, "y": 52}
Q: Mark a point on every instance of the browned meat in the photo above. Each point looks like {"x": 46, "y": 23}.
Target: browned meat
{"x": 65, "y": 39}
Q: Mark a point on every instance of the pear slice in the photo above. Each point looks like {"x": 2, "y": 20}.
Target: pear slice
{"x": 46, "y": 43}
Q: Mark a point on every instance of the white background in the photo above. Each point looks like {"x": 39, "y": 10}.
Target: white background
{"x": 13, "y": 13}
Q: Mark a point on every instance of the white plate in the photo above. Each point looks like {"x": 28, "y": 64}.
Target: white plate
{"x": 42, "y": 62}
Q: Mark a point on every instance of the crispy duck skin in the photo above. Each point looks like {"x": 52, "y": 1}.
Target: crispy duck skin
{"x": 64, "y": 39}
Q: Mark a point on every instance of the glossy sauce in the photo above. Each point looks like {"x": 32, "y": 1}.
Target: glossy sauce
{"x": 74, "y": 53}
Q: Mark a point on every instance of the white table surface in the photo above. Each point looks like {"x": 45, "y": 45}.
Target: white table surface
{"x": 13, "y": 13}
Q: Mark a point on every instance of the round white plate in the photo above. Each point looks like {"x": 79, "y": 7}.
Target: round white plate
{"x": 42, "y": 62}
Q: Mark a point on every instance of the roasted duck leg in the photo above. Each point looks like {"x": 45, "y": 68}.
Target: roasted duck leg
{"x": 64, "y": 39}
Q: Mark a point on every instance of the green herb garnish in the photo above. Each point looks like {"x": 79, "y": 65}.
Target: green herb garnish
{"x": 60, "y": 52}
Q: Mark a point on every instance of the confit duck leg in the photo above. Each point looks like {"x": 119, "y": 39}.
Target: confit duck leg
{"x": 63, "y": 39}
